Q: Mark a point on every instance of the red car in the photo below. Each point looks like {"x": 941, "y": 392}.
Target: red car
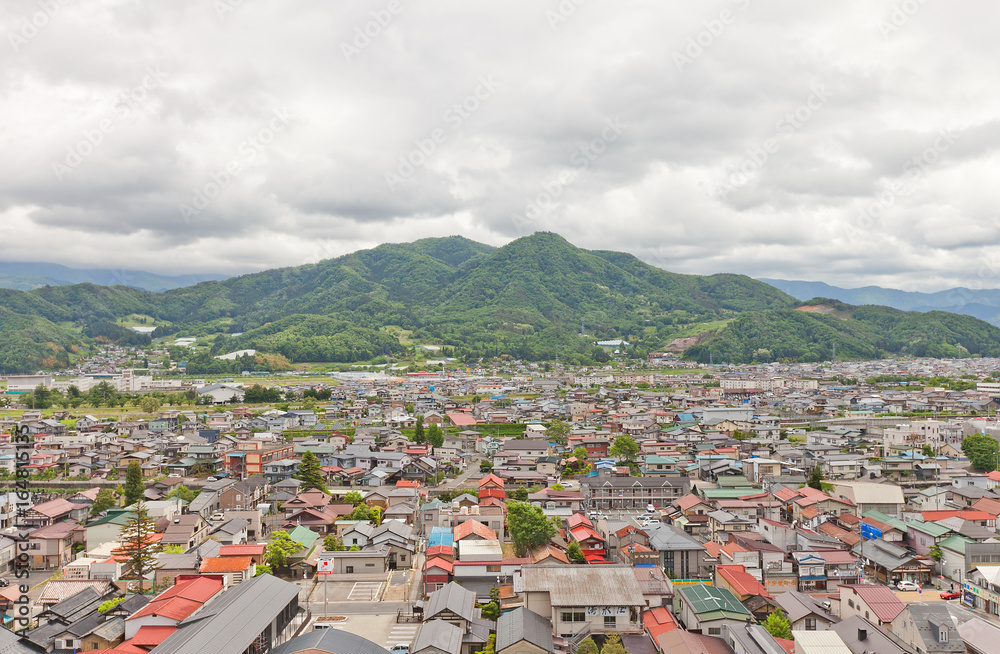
{"x": 946, "y": 595}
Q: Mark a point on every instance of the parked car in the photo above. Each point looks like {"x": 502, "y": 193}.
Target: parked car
{"x": 400, "y": 649}
{"x": 3, "y": 582}
{"x": 642, "y": 517}
{"x": 211, "y": 479}
{"x": 650, "y": 522}
{"x": 907, "y": 586}
{"x": 950, "y": 594}
{"x": 173, "y": 475}
{"x": 650, "y": 508}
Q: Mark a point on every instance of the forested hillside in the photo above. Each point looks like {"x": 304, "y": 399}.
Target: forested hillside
{"x": 526, "y": 299}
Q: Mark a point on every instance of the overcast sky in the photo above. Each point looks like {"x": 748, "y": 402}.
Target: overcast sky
{"x": 852, "y": 142}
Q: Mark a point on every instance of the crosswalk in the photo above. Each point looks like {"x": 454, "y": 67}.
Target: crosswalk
{"x": 365, "y": 591}
{"x": 401, "y": 634}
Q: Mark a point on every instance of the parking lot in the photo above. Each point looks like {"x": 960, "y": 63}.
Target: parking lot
{"x": 380, "y": 629}
{"x": 346, "y": 591}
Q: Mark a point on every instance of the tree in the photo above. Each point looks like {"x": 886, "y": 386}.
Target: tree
{"x": 310, "y": 474}
{"x": 418, "y": 431}
{"x": 574, "y": 553}
{"x": 936, "y": 553}
{"x": 927, "y": 450}
{"x": 263, "y": 569}
{"x": 134, "y": 488}
{"x": 981, "y": 451}
{"x": 376, "y": 515}
{"x": 360, "y": 512}
{"x": 279, "y": 548}
{"x": 558, "y": 432}
{"x": 528, "y": 527}
{"x": 184, "y": 493}
{"x": 613, "y": 645}
{"x": 435, "y": 436}
{"x": 816, "y": 478}
{"x": 587, "y": 646}
{"x": 491, "y": 609}
{"x": 332, "y": 543}
{"x": 354, "y": 497}
{"x": 149, "y": 404}
{"x": 624, "y": 447}
{"x": 491, "y": 645}
{"x": 137, "y": 544}
{"x": 778, "y": 625}
{"x": 520, "y": 494}
{"x": 105, "y": 500}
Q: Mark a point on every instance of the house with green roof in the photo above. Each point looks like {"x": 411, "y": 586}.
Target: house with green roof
{"x": 656, "y": 465}
{"x": 922, "y": 536}
{"x": 709, "y": 609}
{"x": 107, "y": 529}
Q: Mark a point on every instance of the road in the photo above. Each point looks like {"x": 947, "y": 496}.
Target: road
{"x": 460, "y": 480}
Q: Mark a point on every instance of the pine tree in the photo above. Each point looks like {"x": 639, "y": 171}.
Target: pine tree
{"x": 816, "y": 479}
{"x": 135, "y": 539}
{"x": 134, "y": 488}
{"x": 613, "y": 645}
{"x": 310, "y": 474}
{"x": 587, "y": 646}
{"x": 418, "y": 431}
{"x": 778, "y": 625}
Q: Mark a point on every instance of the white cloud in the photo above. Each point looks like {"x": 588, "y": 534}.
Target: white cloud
{"x": 317, "y": 187}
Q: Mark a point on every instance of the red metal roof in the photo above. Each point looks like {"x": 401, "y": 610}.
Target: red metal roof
{"x": 658, "y": 621}
{"x": 438, "y": 562}
{"x": 241, "y": 550}
{"x": 150, "y": 635}
{"x": 741, "y": 581}
{"x": 880, "y": 599}
{"x": 226, "y": 564}
{"x": 182, "y": 599}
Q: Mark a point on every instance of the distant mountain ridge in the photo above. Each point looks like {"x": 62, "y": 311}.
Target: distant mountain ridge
{"x": 983, "y": 304}
{"x": 25, "y": 276}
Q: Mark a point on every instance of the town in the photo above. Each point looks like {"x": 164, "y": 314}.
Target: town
{"x": 505, "y": 507}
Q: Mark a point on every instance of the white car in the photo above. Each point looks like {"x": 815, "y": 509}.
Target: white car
{"x": 173, "y": 475}
{"x": 642, "y": 517}
{"x": 650, "y": 522}
{"x": 907, "y": 586}
{"x": 650, "y": 508}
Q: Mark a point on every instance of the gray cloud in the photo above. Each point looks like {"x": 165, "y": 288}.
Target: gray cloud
{"x": 835, "y": 199}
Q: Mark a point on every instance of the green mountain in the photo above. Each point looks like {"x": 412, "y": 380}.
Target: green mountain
{"x": 527, "y": 299}
{"x": 867, "y": 332}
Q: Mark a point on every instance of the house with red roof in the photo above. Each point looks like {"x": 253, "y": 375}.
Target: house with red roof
{"x": 491, "y": 486}
{"x": 173, "y": 605}
{"x": 234, "y": 569}
{"x": 437, "y": 573}
{"x": 473, "y": 530}
{"x": 877, "y": 604}
{"x": 739, "y": 582}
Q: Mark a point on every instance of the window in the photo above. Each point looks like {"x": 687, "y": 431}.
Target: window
{"x": 715, "y": 631}
{"x": 867, "y": 617}
{"x": 350, "y": 569}
{"x": 943, "y": 635}
{"x": 610, "y": 622}
{"x": 850, "y": 603}
{"x": 573, "y": 616}
{"x": 810, "y": 624}
{"x": 492, "y": 568}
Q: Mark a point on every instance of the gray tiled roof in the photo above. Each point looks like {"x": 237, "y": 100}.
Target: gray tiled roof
{"x": 330, "y": 640}
{"x": 522, "y": 624}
